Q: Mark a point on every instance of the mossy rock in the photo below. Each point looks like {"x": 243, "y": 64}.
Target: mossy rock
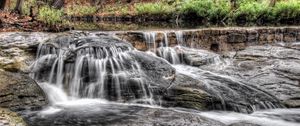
{"x": 19, "y": 92}
{"x": 12, "y": 118}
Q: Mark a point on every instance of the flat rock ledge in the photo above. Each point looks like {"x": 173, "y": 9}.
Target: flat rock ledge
{"x": 9, "y": 118}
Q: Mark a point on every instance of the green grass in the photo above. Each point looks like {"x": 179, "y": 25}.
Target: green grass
{"x": 117, "y": 9}
{"x": 80, "y": 10}
{"x": 253, "y": 10}
{"x": 50, "y": 16}
{"x": 153, "y": 8}
{"x": 210, "y": 9}
{"x": 286, "y": 9}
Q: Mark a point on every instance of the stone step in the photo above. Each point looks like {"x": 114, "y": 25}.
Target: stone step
{"x": 4, "y": 122}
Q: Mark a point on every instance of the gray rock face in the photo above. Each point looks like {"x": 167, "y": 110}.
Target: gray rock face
{"x": 17, "y": 50}
{"x": 20, "y": 92}
{"x": 158, "y": 71}
{"x": 102, "y": 67}
{"x": 205, "y": 90}
{"x": 195, "y": 57}
{"x": 188, "y": 92}
{"x": 120, "y": 115}
{"x": 274, "y": 69}
{"x": 9, "y": 118}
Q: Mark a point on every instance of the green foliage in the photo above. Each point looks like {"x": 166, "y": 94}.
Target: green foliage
{"x": 81, "y": 10}
{"x": 286, "y": 9}
{"x": 26, "y": 6}
{"x": 253, "y": 10}
{"x": 117, "y": 9}
{"x": 211, "y": 9}
{"x": 153, "y": 8}
{"x": 50, "y": 15}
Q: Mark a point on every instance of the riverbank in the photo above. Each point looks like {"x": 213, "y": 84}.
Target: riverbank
{"x": 190, "y": 12}
{"x": 12, "y": 22}
{"x": 243, "y": 12}
{"x": 185, "y": 69}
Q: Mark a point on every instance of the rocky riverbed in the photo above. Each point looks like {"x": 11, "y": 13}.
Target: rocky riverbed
{"x": 248, "y": 80}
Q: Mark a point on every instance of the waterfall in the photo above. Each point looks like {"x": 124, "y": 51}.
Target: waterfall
{"x": 162, "y": 49}
{"x": 150, "y": 39}
{"x": 175, "y": 54}
{"x": 82, "y": 71}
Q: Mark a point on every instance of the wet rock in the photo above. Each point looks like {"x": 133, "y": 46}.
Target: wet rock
{"x": 229, "y": 39}
{"x": 224, "y": 92}
{"x": 243, "y": 124}
{"x": 19, "y": 92}
{"x": 197, "y": 57}
{"x": 120, "y": 115}
{"x": 156, "y": 69}
{"x": 273, "y": 69}
{"x": 290, "y": 37}
{"x": 187, "y": 92}
{"x": 17, "y": 50}
{"x": 10, "y": 118}
{"x": 236, "y": 38}
{"x": 128, "y": 74}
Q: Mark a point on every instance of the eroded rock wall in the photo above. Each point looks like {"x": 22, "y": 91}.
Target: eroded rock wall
{"x": 218, "y": 39}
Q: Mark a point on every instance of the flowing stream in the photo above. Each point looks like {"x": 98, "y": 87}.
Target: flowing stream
{"x": 90, "y": 75}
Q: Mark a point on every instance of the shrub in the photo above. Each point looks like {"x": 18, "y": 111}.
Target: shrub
{"x": 210, "y": 9}
{"x": 49, "y": 15}
{"x": 26, "y": 6}
{"x": 117, "y": 9}
{"x": 154, "y": 8}
{"x": 286, "y": 9}
{"x": 253, "y": 10}
{"x": 81, "y": 10}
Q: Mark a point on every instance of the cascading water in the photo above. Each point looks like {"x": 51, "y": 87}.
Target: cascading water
{"x": 162, "y": 48}
{"x": 74, "y": 70}
{"x": 91, "y": 68}
{"x": 217, "y": 84}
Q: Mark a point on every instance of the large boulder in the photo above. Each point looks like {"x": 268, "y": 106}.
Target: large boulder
{"x": 187, "y": 92}
{"x": 10, "y": 118}
{"x": 272, "y": 69}
{"x": 19, "y": 92}
{"x": 17, "y": 50}
{"x": 101, "y": 66}
{"x": 119, "y": 115}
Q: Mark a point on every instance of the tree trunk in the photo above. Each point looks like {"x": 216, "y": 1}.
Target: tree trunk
{"x": 233, "y": 4}
{"x": 272, "y": 3}
{"x": 58, "y": 4}
{"x": 18, "y": 7}
{"x": 2, "y": 4}
{"x": 1, "y": 24}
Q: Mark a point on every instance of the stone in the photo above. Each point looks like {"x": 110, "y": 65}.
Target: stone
{"x": 121, "y": 115}
{"x": 197, "y": 57}
{"x": 252, "y": 36}
{"x": 186, "y": 92}
{"x": 236, "y": 38}
{"x": 263, "y": 38}
{"x": 273, "y": 69}
{"x": 9, "y": 118}
{"x": 204, "y": 38}
{"x": 19, "y": 92}
{"x": 17, "y": 50}
{"x": 289, "y": 37}
{"x": 298, "y": 36}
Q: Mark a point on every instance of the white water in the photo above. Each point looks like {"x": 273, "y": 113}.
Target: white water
{"x": 162, "y": 49}
{"x": 60, "y": 98}
{"x": 94, "y": 74}
{"x": 262, "y": 118}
